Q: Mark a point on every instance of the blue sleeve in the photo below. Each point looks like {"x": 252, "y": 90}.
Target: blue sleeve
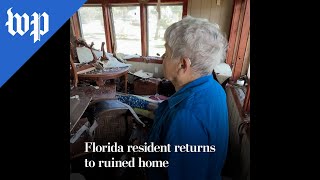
{"x": 184, "y": 128}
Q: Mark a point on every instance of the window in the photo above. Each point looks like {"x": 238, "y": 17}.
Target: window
{"x": 92, "y": 25}
{"x": 157, "y": 25}
{"x": 126, "y": 24}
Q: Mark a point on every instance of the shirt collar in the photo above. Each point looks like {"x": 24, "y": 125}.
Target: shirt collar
{"x": 190, "y": 88}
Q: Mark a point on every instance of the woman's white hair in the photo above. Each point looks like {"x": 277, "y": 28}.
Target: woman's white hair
{"x": 199, "y": 40}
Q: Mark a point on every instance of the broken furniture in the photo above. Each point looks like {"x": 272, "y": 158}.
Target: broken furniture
{"x": 91, "y": 69}
{"x": 101, "y": 121}
{"x": 81, "y": 52}
{"x": 146, "y": 86}
{"x": 114, "y": 121}
{"x": 100, "y": 77}
{"x": 105, "y": 92}
{"x": 78, "y": 105}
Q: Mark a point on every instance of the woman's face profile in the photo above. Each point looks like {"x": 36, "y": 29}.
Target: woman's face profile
{"x": 170, "y": 66}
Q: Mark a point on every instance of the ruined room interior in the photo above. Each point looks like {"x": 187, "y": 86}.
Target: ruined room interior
{"x": 117, "y": 80}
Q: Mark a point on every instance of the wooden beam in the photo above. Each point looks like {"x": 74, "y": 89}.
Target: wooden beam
{"x": 143, "y": 25}
{"x": 106, "y": 19}
{"x": 94, "y": 1}
{"x": 185, "y": 8}
{"x": 246, "y": 60}
{"x": 75, "y": 25}
{"x": 72, "y": 27}
{"x": 73, "y": 72}
{"x": 242, "y": 43}
{"x": 146, "y": 60}
{"x": 233, "y": 30}
{"x": 236, "y": 47}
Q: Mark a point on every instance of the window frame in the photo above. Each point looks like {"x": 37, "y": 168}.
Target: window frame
{"x": 112, "y": 34}
{"x": 108, "y": 23}
{"x": 79, "y": 26}
{"x": 154, "y": 4}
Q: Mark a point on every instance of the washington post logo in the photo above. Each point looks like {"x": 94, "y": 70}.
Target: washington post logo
{"x": 37, "y": 20}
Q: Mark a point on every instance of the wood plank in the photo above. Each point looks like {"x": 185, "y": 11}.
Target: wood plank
{"x": 73, "y": 69}
{"x": 233, "y": 30}
{"x": 226, "y": 17}
{"x": 77, "y": 149}
{"x": 72, "y": 28}
{"x": 189, "y": 7}
{"x": 242, "y": 44}
{"x": 85, "y": 70}
{"x": 235, "y": 51}
{"x": 196, "y": 8}
{"x": 215, "y": 13}
{"x": 147, "y": 60}
{"x": 106, "y": 92}
{"x": 79, "y": 110}
{"x": 185, "y": 8}
{"x": 143, "y": 22}
{"x": 106, "y": 20}
{"x": 246, "y": 61}
{"x": 75, "y": 25}
{"x": 93, "y": 2}
{"x": 73, "y": 104}
{"x": 205, "y": 9}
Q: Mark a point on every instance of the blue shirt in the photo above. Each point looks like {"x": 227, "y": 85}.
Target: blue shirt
{"x": 197, "y": 114}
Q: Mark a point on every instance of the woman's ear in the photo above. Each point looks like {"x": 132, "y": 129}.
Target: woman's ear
{"x": 185, "y": 63}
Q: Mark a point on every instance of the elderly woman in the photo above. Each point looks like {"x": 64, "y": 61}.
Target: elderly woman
{"x": 194, "y": 120}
